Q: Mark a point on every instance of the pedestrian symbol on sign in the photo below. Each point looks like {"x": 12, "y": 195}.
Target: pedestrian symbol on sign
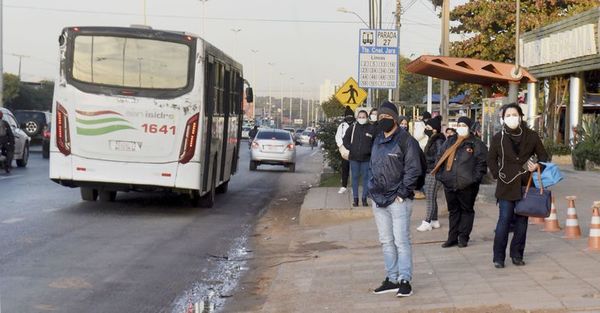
{"x": 352, "y": 93}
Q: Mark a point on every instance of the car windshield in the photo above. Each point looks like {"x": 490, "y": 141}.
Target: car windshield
{"x": 273, "y": 135}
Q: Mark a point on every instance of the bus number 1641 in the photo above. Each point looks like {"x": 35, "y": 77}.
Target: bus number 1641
{"x": 154, "y": 129}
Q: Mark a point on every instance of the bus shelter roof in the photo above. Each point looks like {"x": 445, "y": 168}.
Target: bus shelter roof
{"x": 467, "y": 70}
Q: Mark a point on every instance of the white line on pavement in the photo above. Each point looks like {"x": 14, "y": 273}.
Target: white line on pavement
{"x": 50, "y": 210}
{"x": 313, "y": 154}
{"x": 13, "y": 220}
{"x": 9, "y": 177}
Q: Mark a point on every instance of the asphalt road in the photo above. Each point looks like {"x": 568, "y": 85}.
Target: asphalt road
{"x": 142, "y": 253}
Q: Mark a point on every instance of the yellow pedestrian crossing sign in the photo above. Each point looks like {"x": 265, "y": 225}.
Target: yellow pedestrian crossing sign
{"x": 350, "y": 94}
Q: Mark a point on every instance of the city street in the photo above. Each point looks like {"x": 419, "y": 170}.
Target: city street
{"x": 142, "y": 253}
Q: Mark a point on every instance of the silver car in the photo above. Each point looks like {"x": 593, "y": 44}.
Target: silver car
{"x": 21, "y": 139}
{"x": 274, "y": 147}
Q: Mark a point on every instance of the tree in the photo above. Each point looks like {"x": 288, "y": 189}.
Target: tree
{"x": 333, "y": 107}
{"x": 33, "y": 97}
{"x": 11, "y": 87}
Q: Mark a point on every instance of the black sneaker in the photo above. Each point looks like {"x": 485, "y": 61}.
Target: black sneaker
{"x": 355, "y": 203}
{"x": 405, "y": 289}
{"x": 386, "y": 287}
{"x": 364, "y": 202}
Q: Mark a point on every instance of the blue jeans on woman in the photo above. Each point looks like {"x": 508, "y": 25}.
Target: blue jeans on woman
{"x": 393, "y": 226}
{"x": 359, "y": 169}
{"x": 517, "y": 245}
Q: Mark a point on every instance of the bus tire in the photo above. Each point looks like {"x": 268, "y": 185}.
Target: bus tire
{"x": 208, "y": 200}
{"x": 107, "y": 196}
{"x": 253, "y": 165}
{"x": 223, "y": 188}
{"x": 88, "y": 194}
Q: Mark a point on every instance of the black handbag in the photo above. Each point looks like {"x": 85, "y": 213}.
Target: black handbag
{"x": 536, "y": 202}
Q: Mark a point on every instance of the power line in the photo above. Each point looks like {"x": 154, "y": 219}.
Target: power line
{"x": 191, "y": 17}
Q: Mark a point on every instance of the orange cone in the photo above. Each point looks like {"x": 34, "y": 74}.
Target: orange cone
{"x": 594, "y": 240}
{"x": 572, "y": 230}
{"x": 551, "y": 224}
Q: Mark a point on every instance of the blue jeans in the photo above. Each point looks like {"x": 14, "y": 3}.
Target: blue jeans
{"x": 393, "y": 225}
{"x": 517, "y": 245}
{"x": 361, "y": 169}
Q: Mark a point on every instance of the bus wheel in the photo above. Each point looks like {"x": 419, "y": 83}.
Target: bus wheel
{"x": 88, "y": 194}
{"x": 107, "y": 196}
{"x": 208, "y": 200}
{"x": 223, "y": 188}
{"x": 253, "y": 165}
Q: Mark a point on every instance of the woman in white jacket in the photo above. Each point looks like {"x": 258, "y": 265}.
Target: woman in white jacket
{"x": 339, "y": 140}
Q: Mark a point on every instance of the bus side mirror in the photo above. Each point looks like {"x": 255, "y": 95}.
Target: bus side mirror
{"x": 249, "y": 95}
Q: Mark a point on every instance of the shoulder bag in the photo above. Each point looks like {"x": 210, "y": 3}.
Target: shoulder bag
{"x": 535, "y": 202}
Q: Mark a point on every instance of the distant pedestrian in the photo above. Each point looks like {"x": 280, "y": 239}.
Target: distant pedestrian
{"x": 312, "y": 139}
{"x": 433, "y": 130}
{"x": 460, "y": 168}
{"x": 359, "y": 140}
{"x": 403, "y": 122}
{"x": 450, "y": 132}
{"x": 396, "y": 168}
{"x": 339, "y": 140}
{"x": 425, "y": 116}
{"x": 510, "y": 163}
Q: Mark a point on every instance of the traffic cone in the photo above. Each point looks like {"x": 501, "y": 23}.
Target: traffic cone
{"x": 594, "y": 240}
{"x": 572, "y": 230}
{"x": 551, "y": 222}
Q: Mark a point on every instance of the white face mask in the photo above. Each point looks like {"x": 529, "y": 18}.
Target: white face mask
{"x": 462, "y": 131}
{"x": 512, "y": 121}
{"x": 362, "y": 120}
{"x": 373, "y": 117}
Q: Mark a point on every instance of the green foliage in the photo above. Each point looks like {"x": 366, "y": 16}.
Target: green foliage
{"x": 332, "y": 107}
{"x": 588, "y": 142}
{"x": 554, "y": 148}
{"x": 31, "y": 97}
{"x": 326, "y": 135}
{"x": 11, "y": 87}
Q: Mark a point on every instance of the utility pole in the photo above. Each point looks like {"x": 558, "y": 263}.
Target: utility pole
{"x": 398, "y": 24}
{"x": 444, "y": 84}
{"x": 20, "y": 56}
{"x": 1, "y": 67}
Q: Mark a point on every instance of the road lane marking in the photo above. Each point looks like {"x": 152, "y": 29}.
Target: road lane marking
{"x": 9, "y": 177}
{"x": 50, "y": 210}
{"x": 313, "y": 154}
{"x": 13, "y": 220}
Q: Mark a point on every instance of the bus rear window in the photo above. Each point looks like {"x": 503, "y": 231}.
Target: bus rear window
{"x": 130, "y": 62}
{"x": 273, "y": 135}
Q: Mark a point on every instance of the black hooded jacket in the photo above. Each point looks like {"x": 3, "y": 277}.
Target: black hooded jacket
{"x": 360, "y": 143}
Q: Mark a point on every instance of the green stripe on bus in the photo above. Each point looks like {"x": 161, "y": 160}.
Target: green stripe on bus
{"x": 101, "y": 120}
{"x": 101, "y": 131}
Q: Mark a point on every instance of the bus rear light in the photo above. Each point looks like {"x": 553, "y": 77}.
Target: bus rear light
{"x": 188, "y": 146}
{"x": 165, "y": 174}
{"x": 81, "y": 169}
{"x": 63, "y": 137}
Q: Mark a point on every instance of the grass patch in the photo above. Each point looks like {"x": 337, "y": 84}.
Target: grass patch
{"x": 331, "y": 180}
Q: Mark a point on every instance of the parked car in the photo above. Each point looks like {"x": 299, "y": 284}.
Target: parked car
{"x": 32, "y": 122}
{"x": 274, "y": 147}
{"x": 46, "y": 141}
{"x": 22, "y": 141}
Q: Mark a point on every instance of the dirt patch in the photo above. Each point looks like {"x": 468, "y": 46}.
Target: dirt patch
{"x": 487, "y": 309}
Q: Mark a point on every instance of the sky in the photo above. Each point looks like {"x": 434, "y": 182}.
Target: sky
{"x": 306, "y": 41}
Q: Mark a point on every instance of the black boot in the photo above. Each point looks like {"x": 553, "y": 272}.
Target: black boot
{"x": 364, "y": 201}
{"x": 355, "y": 203}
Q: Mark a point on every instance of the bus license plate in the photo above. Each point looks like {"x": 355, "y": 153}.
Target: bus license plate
{"x": 127, "y": 146}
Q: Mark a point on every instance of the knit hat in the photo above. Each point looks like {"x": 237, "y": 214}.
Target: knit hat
{"x": 435, "y": 123}
{"x": 390, "y": 109}
{"x": 426, "y": 115}
{"x": 466, "y": 120}
{"x": 348, "y": 111}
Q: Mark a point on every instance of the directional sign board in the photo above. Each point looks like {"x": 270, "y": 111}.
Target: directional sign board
{"x": 378, "y": 58}
{"x": 350, "y": 94}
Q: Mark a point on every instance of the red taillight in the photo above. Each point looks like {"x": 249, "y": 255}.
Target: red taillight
{"x": 63, "y": 137}
{"x": 188, "y": 146}
{"x": 290, "y": 146}
{"x": 46, "y": 133}
{"x": 254, "y": 145}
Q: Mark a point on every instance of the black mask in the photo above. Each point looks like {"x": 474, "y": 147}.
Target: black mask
{"x": 429, "y": 132}
{"x": 349, "y": 119}
{"x": 386, "y": 124}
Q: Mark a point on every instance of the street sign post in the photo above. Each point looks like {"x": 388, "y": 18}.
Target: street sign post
{"x": 350, "y": 94}
{"x": 378, "y": 59}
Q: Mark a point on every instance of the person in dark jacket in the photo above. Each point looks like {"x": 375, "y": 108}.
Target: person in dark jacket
{"x": 359, "y": 140}
{"x": 433, "y": 129}
{"x": 460, "y": 168}
{"x": 396, "y": 167}
{"x": 7, "y": 142}
{"x": 509, "y": 162}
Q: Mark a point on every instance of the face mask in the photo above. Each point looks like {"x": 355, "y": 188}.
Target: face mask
{"x": 362, "y": 121}
{"x": 462, "y": 131}
{"x": 512, "y": 121}
{"x": 386, "y": 124}
{"x": 429, "y": 132}
{"x": 349, "y": 119}
{"x": 404, "y": 127}
{"x": 373, "y": 117}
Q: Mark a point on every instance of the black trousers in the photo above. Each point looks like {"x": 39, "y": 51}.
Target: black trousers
{"x": 345, "y": 172}
{"x": 461, "y": 212}
{"x": 9, "y": 151}
{"x": 506, "y": 217}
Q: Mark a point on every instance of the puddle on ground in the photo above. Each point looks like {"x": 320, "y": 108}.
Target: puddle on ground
{"x": 209, "y": 295}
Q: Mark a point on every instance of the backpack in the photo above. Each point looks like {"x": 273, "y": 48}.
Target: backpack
{"x": 421, "y": 179}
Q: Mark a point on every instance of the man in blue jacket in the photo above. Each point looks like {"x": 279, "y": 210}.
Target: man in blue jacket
{"x": 396, "y": 168}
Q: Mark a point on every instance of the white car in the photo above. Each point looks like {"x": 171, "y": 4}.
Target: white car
{"x": 273, "y": 147}
{"x": 246, "y": 132}
{"x": 21, "y": 139}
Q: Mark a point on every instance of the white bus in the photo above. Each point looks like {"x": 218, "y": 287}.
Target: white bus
{"x": 137, "y": 109}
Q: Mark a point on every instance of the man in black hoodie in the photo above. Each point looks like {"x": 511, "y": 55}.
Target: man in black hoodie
{"x": 359, "y": 140}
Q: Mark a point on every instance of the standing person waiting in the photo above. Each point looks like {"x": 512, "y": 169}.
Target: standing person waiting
{"x": 510, "y": 163}
{"x": 359, "y": 140}
{"x": 396, "y": 168}
{"x": 460, "y": 169}
{"x": 339, "y": 140}
{"x": 433, "y": 129}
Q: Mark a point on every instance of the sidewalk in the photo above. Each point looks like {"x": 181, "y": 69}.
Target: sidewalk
{"x": 343, "y": 262}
